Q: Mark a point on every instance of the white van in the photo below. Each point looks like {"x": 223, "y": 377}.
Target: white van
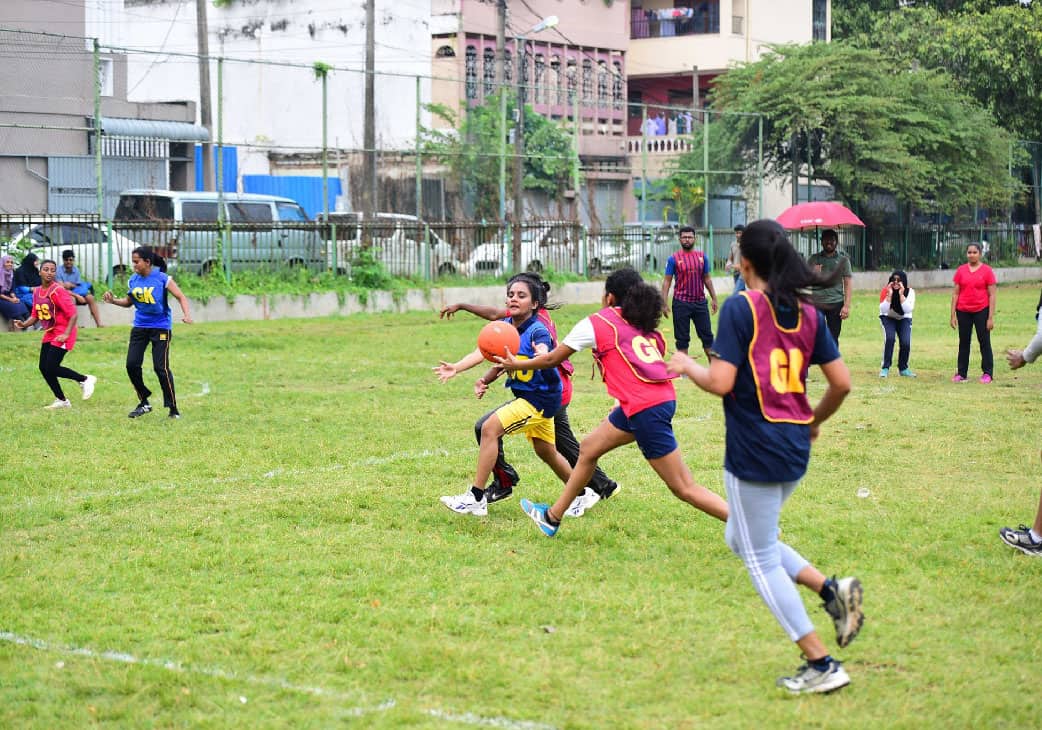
{"x": 182, "y": 226}
{"x": 97, "y": 253}
{"x": 402, "y": 243}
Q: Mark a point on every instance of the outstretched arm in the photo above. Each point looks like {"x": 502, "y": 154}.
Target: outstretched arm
{"x": 717, "y": 379}
{"x": 445, "y": 370}
{"x": 485, "y": 311}
{"x": 545, "y": 361}
{"x": 118, "y": 301}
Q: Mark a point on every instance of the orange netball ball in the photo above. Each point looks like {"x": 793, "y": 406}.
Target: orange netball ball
{"x": 495, "y": 336}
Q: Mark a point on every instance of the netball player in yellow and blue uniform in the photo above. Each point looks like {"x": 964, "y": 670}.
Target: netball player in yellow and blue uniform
{"x": 153, "y": 323}
{"x": 767, "y": 336}
{"x": 537, "y": 396}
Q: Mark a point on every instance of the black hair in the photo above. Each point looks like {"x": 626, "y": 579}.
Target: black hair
{"x": 903, "y": 277}
{"x": 976, "y": 245}
{"x": 68, "y": 254}
{"x": 739, "y": 228}
{"x": 685, "y": 229}
{"x": 767, "y": 249}
{"x": 538, "y": 288}
{"x": 640, "y": 302}
{"x": 829, "y": 233}
{"x": 895, "y": 297}
{"x": 49, "y": 261}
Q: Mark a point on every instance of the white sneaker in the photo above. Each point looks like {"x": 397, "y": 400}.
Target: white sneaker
{"x": 87, "y": 386}
{"x": 582, "y": 503}
{"x": 808, "y": 680}
{"x": 465, "y": 504}
{"x": 58, "y": 404}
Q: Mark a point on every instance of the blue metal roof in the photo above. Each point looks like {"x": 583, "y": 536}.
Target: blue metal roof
{"x": 305, "y": 189}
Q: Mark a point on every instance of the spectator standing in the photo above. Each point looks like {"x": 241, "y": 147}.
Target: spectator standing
{"x": 973, "y": 308}
{"x": 833, "y": 300}
{"x": 734, "y": 258}
{"x": 82, "y": 291}
{"x": 692, "y": 271}
{"x": 896, "y": 302}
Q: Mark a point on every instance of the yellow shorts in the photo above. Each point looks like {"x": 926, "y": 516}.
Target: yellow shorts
{"x": 520, "y": 416}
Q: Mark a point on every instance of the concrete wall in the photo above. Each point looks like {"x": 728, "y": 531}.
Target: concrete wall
{"x": 220, "y": 309}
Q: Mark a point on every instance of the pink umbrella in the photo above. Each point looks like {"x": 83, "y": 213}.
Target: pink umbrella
{"x": 820, "y": 214}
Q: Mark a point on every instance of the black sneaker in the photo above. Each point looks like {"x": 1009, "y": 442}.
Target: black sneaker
{"x": 497, "y": 492}
{"x": 142, "y": 409}
{"x": 1021, "y": 540}
{"x": 174, "y": 413}
{"x": 613, "y": 487}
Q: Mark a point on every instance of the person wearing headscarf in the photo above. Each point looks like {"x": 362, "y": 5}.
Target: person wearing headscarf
{"x": 10, "y": 306}
{"x": 896, "y": 302}
{"x": 26, "y": 278}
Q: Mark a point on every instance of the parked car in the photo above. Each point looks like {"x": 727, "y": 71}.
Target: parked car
{"x": 549, "y": 244}
{"x": 265, "y": 230}
{"x": 89, "y": 241}
{"x": 402, "y": 243}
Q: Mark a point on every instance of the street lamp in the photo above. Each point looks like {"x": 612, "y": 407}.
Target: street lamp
{"x": 519, "y": 134}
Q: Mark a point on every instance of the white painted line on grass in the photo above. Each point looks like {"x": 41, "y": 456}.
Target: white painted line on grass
{"x": 62, "y": 498}
{"x": 124, "y": 658}
{"x": 469, "y": 718}
{"x": 466, "y": 718}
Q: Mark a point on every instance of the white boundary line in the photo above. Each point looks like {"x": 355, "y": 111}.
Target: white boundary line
{"x": 65, "y": 498}
{"x": 466, "y": 718}
{"x": 178, "y": 667}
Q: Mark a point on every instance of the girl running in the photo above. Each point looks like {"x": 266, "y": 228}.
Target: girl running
{"x": 537, "y": 396}
{"x": 148, "y": 287}
{"x": 54, "y": 308}
{"x": 767, "y": 337}
{"x": 504, "y": 476}
{"x": 629, "y": 350}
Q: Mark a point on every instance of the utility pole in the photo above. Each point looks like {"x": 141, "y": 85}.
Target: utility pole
{"x": 501, "y": 54}
{"x": 369, "y": 134}
{"x": 203, "y": 45}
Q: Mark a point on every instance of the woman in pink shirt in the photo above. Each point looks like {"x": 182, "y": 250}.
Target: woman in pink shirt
{"x": 973, "y": 308}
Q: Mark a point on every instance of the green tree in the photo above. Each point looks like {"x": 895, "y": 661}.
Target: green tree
{"x": 871, "y": 124}
{"x": 994, "y": 56}
{"x": 471, "y": 150}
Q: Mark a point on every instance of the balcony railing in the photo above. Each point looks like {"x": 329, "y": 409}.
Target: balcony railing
{"x": 703, "y": 18}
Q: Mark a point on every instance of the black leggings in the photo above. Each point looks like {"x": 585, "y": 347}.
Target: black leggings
{"x": 967, "y": 322}
{"x": 566, "y": 444}
{"x": 51, "y": 368}
{"x": 140, "y": 338}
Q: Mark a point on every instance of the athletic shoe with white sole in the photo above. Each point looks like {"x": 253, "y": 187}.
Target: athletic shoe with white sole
{"x": 1021, "y": 540}
{"x": 582, "y": 503}
{"x": 142, "y": 409}
{"x": 845, "y": 610}
{"x": 809, "y": 680}
{"x": 537, "y": 512}
{"x": 87, "y": 386}
{"x": 466, "y": 504}
{"x": 58, "y": 405}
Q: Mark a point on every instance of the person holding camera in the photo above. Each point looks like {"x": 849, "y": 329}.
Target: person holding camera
{"x": 896, "y": 302}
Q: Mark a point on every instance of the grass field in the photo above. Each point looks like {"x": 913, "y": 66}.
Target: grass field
{"x": 279, "y": 557}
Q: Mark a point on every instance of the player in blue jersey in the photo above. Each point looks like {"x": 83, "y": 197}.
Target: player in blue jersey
{"x": 537, "y": 396}
{"x": 767, "y": 336}
{"x": 153, "y": 324}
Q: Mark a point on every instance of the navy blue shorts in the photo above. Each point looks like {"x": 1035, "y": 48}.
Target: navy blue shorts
{"x": 652, "y": 428}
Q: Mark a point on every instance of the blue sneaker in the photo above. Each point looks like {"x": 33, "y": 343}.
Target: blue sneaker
{"x": 537, "y": 511}
{"x": 907, "y": 373}
{"x": 883, "y": 372}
